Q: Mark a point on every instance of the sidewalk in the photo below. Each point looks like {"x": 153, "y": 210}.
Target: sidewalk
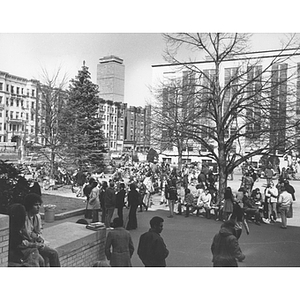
{"x": 189, "y": 239}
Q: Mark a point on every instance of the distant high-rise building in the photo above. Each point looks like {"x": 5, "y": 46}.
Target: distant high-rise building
{"x": 110, "y": 78}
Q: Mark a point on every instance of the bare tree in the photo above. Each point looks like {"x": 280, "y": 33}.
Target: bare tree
{"x": 51, "y": 98}
{"x": 173, "y": 105}
{"x": 253, "y": 107}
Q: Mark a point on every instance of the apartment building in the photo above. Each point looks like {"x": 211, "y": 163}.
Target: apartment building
{"x": 18, "y": 119}
{"x": 125, "y": 128}
{"x": 283, "y": 79}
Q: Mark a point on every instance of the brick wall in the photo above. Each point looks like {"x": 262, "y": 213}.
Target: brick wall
{"x": 76, "y": 245}
{"x": 4, "y": 238}
{"x": 87, "y": 255}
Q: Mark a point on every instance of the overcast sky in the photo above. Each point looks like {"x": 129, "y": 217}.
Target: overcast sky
{"x": 31, "y": 40}
{"x": 26, "y": 54}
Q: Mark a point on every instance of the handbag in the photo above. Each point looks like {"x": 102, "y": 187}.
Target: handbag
{"x": 289, "y": 213}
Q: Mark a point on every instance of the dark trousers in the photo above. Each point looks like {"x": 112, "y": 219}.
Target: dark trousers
{"x": 95, "y": 215}
{"x": 253, "y": 212}
{"x": 142, "y": 204}
{"x": 50, "y": 256}
{"x": 132, "y": 220}
{"x": 120, "y": 212}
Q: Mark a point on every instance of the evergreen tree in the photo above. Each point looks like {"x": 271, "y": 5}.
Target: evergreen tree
{"x": 81, "y": 127}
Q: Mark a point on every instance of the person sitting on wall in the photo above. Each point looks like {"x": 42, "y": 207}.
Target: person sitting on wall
{"x": 33, "y": 229}
{"x": 21, "y": 252}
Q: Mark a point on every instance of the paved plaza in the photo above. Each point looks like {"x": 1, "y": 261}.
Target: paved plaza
{"x": 189, "y": 239}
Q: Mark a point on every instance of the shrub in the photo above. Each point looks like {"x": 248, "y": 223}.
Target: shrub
{"x": 13, "y": 186}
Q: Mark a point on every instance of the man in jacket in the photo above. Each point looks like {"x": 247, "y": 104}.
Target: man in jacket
{"x": 151, "y": 249}
{"x": 225, "y": 247}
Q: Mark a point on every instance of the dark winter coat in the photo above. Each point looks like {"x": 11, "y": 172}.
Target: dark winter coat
{"x": 152, "y": 250}
{"x": 171, "y": 192}
{"x": 133, "y": 202}
{"x": 225, "y": 249}
{"x": 120, "y": 199}
{"x": 110, "y": 198}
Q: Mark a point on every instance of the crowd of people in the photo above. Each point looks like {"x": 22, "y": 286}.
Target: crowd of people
{"x": 186, "y": 192}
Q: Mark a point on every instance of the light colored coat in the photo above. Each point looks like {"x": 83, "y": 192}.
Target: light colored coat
{"x": 94, "y": 202}
{"x": 119, "y": 247}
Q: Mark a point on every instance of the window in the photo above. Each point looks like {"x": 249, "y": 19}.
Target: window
{"x": 32, "y": 105}
{"x": 11, "y": 114}
{"x": 11, "y": 102}
{"x": 0, "y": 126}
{"x": 17, "y": 115}
{"x": 7, "y": 87}
{"x": 22, "y": 91}
{"x": 4, "y": 128}
{"x": 1, "y": 99}
{"x": 32, "y": 117}
{"x": 18, "y": 90}
{"x": 12, "y": 89}
{"x": 18, "y": 102}
{"x": 28, "y": 92}
{"x": 1, "y": 86}
{"x": 0, "y": 114}
{"x": 32, "y": 93}
{"x": 27, "y": 116}
{"x": 6, "y": 113}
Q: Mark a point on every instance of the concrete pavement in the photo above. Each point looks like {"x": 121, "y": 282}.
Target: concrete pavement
{"x": 189, "y": 239}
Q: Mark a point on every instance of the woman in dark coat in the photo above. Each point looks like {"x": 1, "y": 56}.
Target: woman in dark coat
{"x": 120, "y": 200}
{"x": 133, "y": 202}
{"x": 228, "y": 203}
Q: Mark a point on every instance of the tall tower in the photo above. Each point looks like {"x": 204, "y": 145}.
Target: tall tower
{"x": 110, "y": 78}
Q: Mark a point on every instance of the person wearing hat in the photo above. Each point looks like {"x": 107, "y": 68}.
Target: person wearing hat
{"x": 225, "y": 247}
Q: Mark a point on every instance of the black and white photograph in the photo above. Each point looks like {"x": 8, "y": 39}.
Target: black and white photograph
{"x": 173, "y": 145}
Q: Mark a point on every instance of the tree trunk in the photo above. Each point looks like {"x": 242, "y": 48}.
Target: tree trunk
{"x": 52, "y": 161}
{"x": 179, "y": 148}
{"x": 222, "y": 173}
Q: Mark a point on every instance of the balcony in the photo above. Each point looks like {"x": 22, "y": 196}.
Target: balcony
{"x": 15, "y": 121}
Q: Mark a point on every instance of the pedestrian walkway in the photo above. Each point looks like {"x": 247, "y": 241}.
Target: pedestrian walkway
{"x": 189, "y": 239}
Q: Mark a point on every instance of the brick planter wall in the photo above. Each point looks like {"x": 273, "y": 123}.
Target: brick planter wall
{"x": 76, "y": 245}
{"x": 4, "y": 238}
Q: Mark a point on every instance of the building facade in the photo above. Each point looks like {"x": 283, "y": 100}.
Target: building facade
{"x": 110, "y": 78}
{"x": 18, "y": 119}
{"x": 126, "y": 128}
{"x": 282, "y": 80}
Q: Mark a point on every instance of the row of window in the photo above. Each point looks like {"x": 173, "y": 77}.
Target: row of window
{"x": 17, "y": 90}
{"x": 15, "y": 128}
{"x": 17, "y": 102}
{"x": 16, "y": 115}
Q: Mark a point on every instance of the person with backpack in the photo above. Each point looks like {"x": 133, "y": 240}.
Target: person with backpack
{"x": 225, "y": 247}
